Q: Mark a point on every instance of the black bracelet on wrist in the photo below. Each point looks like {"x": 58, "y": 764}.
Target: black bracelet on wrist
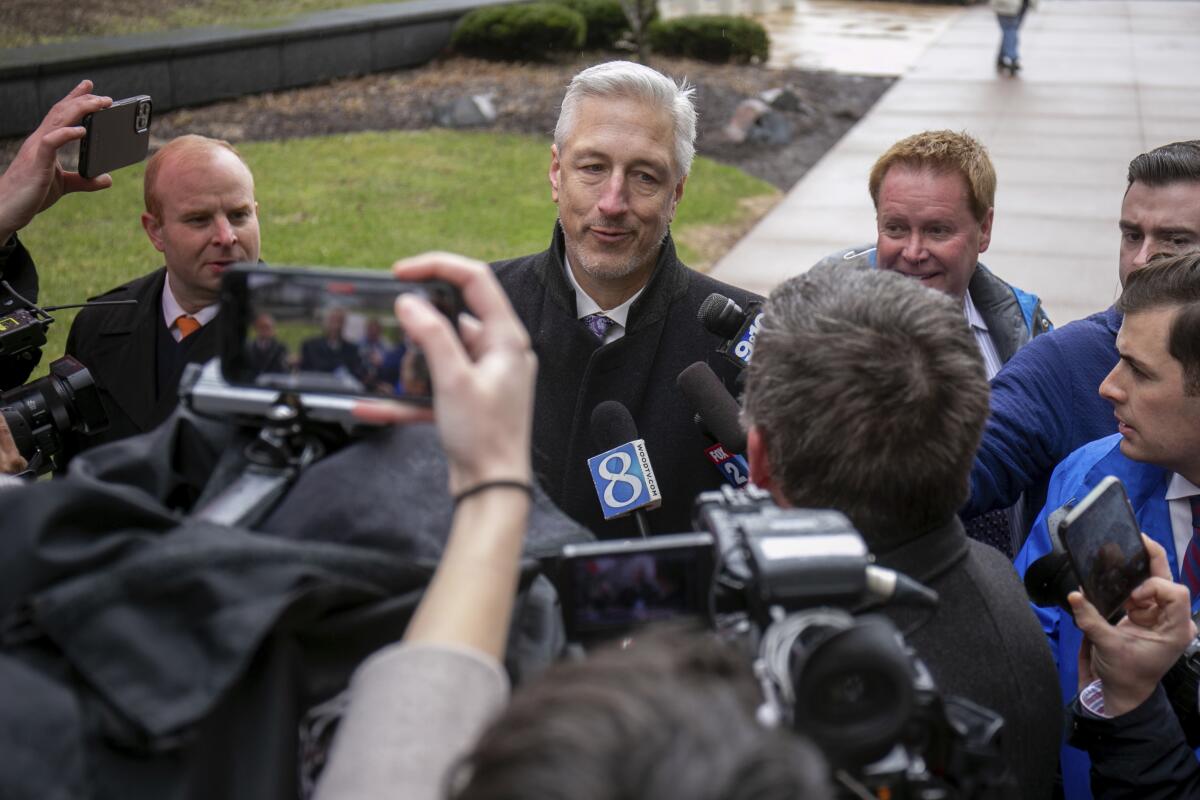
{"x": 483, "y": 487}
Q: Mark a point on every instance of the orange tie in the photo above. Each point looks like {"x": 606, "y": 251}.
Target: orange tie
{"x": 186, "y": 325}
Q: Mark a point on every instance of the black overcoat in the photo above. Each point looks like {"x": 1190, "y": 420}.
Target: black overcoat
{"x": 985, "y": 644}
{"x": 576, "y": 373}
{"x": 118, "y": 345}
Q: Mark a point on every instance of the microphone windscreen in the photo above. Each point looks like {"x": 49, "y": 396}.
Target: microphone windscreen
{"x": 720, "y": 315}
{"x": 719, "y": 409}
{"x": 612, "y": 425}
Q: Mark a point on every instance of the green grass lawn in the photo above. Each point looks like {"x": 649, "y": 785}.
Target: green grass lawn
{"x": 172, "y": 14}
{"x": 360, "y": 200}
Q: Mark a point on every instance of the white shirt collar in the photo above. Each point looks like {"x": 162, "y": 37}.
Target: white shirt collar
{"x": 974, "y": 318}
{"x": 172, "y": 310}
{"x": 1180, "y": 487}
{"x": 585, "y": 305}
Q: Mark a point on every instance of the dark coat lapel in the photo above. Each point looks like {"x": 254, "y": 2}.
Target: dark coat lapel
{"x": 124, "y": 348}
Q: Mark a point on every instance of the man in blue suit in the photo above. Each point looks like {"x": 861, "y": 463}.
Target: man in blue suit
{"x": 1155, "y": 393}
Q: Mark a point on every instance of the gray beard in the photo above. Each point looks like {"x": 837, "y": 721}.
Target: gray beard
{"x": 624, "y": 270}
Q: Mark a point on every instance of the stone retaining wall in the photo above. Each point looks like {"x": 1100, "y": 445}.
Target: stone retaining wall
{"x": 199, "y": 65}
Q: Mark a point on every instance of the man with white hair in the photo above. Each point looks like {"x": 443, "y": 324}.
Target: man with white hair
{"x": 610, "y": 308}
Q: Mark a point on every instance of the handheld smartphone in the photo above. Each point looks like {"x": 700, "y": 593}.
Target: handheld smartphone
{"x": 116, "y": 136}
{"x": 1102, "y": 539}
{"x": 609, "y": 588}
{"x": 325, "y": 331}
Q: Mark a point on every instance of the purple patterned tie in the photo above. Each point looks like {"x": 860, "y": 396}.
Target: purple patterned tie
{"x": 1189, "y": 573}
{"x": 598, "y": 324}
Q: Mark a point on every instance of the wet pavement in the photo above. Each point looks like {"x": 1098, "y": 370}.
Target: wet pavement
{"x": 1103, "y": 81}
{"x": 857, "y": 38}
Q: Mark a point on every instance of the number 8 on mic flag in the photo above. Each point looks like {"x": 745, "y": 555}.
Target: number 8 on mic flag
{"x": 624, "y": 479}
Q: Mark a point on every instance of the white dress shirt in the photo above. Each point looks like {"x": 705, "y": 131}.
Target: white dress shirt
{"x": 991, "y": 358}
{"x": 1179, "y": 502}
{"x": 172, "y": 311}
{"x": 585, "y": 306}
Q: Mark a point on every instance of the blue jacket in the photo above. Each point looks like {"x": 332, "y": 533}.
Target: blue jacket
{"x": 1045, "y": 405}
{"x": 1072, "y": 480}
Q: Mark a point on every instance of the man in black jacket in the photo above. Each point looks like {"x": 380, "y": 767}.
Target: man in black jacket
{"x": 33, "y": 182}
{"x": 202, "y": 216}
{"x": 867, "y": 394}
{"x": 610, "y": 308}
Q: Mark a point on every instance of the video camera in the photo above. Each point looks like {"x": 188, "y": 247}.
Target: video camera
{"x": 44, "y": 414}
{"x": 782, "y": 585}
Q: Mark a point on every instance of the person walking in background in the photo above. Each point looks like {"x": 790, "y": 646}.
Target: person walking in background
{"x": 1010, "y": 14}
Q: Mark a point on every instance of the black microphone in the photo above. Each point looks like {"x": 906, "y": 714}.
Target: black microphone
{"x": 716, "y": 407}
{"x": 621, "y": 472}
{"x": 738, "y": 326}
{"x": 717, "y": 414}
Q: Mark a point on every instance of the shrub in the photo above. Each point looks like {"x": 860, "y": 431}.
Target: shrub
{"x": 606, "y": 22}
{"x": 519, "y": 33}
{"x": 710, "y": 38}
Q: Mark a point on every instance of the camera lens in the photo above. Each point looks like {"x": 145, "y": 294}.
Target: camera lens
{"x": 41, "y": 414}
{"x": 854, "y": 690}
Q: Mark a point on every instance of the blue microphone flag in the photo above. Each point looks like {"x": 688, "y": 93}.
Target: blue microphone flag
{"x": 624, "y": 479}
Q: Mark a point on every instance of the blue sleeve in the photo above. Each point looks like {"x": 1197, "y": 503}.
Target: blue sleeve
{"x": 1064, "y": 638}
{"x": 1029, "y": 430}
{"x": 1036, "y": 546}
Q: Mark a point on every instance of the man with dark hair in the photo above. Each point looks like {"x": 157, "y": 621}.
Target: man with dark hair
{"x": 1044, "y": 401}
{"x": 1154, "y": 390}
{"x": 672, "y": 716}
{"x": 934, "y": 196}
{"x": 867, "y": 394}
{"x": 610, "y": 307}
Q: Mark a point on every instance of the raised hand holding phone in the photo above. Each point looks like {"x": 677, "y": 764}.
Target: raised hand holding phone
{"x": 1104, "y": 544}
{"x": 1131, "y": 657}
{"x": 483, "y": 382}
{"x": 116, "y": 136}
{"x": 35, "y": 179}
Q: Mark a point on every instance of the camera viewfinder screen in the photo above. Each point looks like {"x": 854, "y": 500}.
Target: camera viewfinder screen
{"x": 614, "y": 593}
{"x": 1107, "y": 551}
{"x": 327, "y": 331}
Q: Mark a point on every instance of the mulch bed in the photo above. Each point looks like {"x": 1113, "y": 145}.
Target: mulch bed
{"x": 527, "y": 98}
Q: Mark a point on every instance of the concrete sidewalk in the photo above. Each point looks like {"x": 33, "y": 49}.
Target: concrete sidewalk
{"x": 1103, "y": 81}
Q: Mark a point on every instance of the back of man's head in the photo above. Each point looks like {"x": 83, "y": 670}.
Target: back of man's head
{"x": 1172, "y": 163}
{"x": 938, "y": 152}
{"x": 1172, "y": 282}
{"x": 871, "y": 396}
{"x": 672, "y": 716}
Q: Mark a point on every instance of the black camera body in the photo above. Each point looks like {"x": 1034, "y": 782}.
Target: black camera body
{"x": 43, "y": 415}
{"x": 791, "y": 558}
{"x": 784, "y": 585}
